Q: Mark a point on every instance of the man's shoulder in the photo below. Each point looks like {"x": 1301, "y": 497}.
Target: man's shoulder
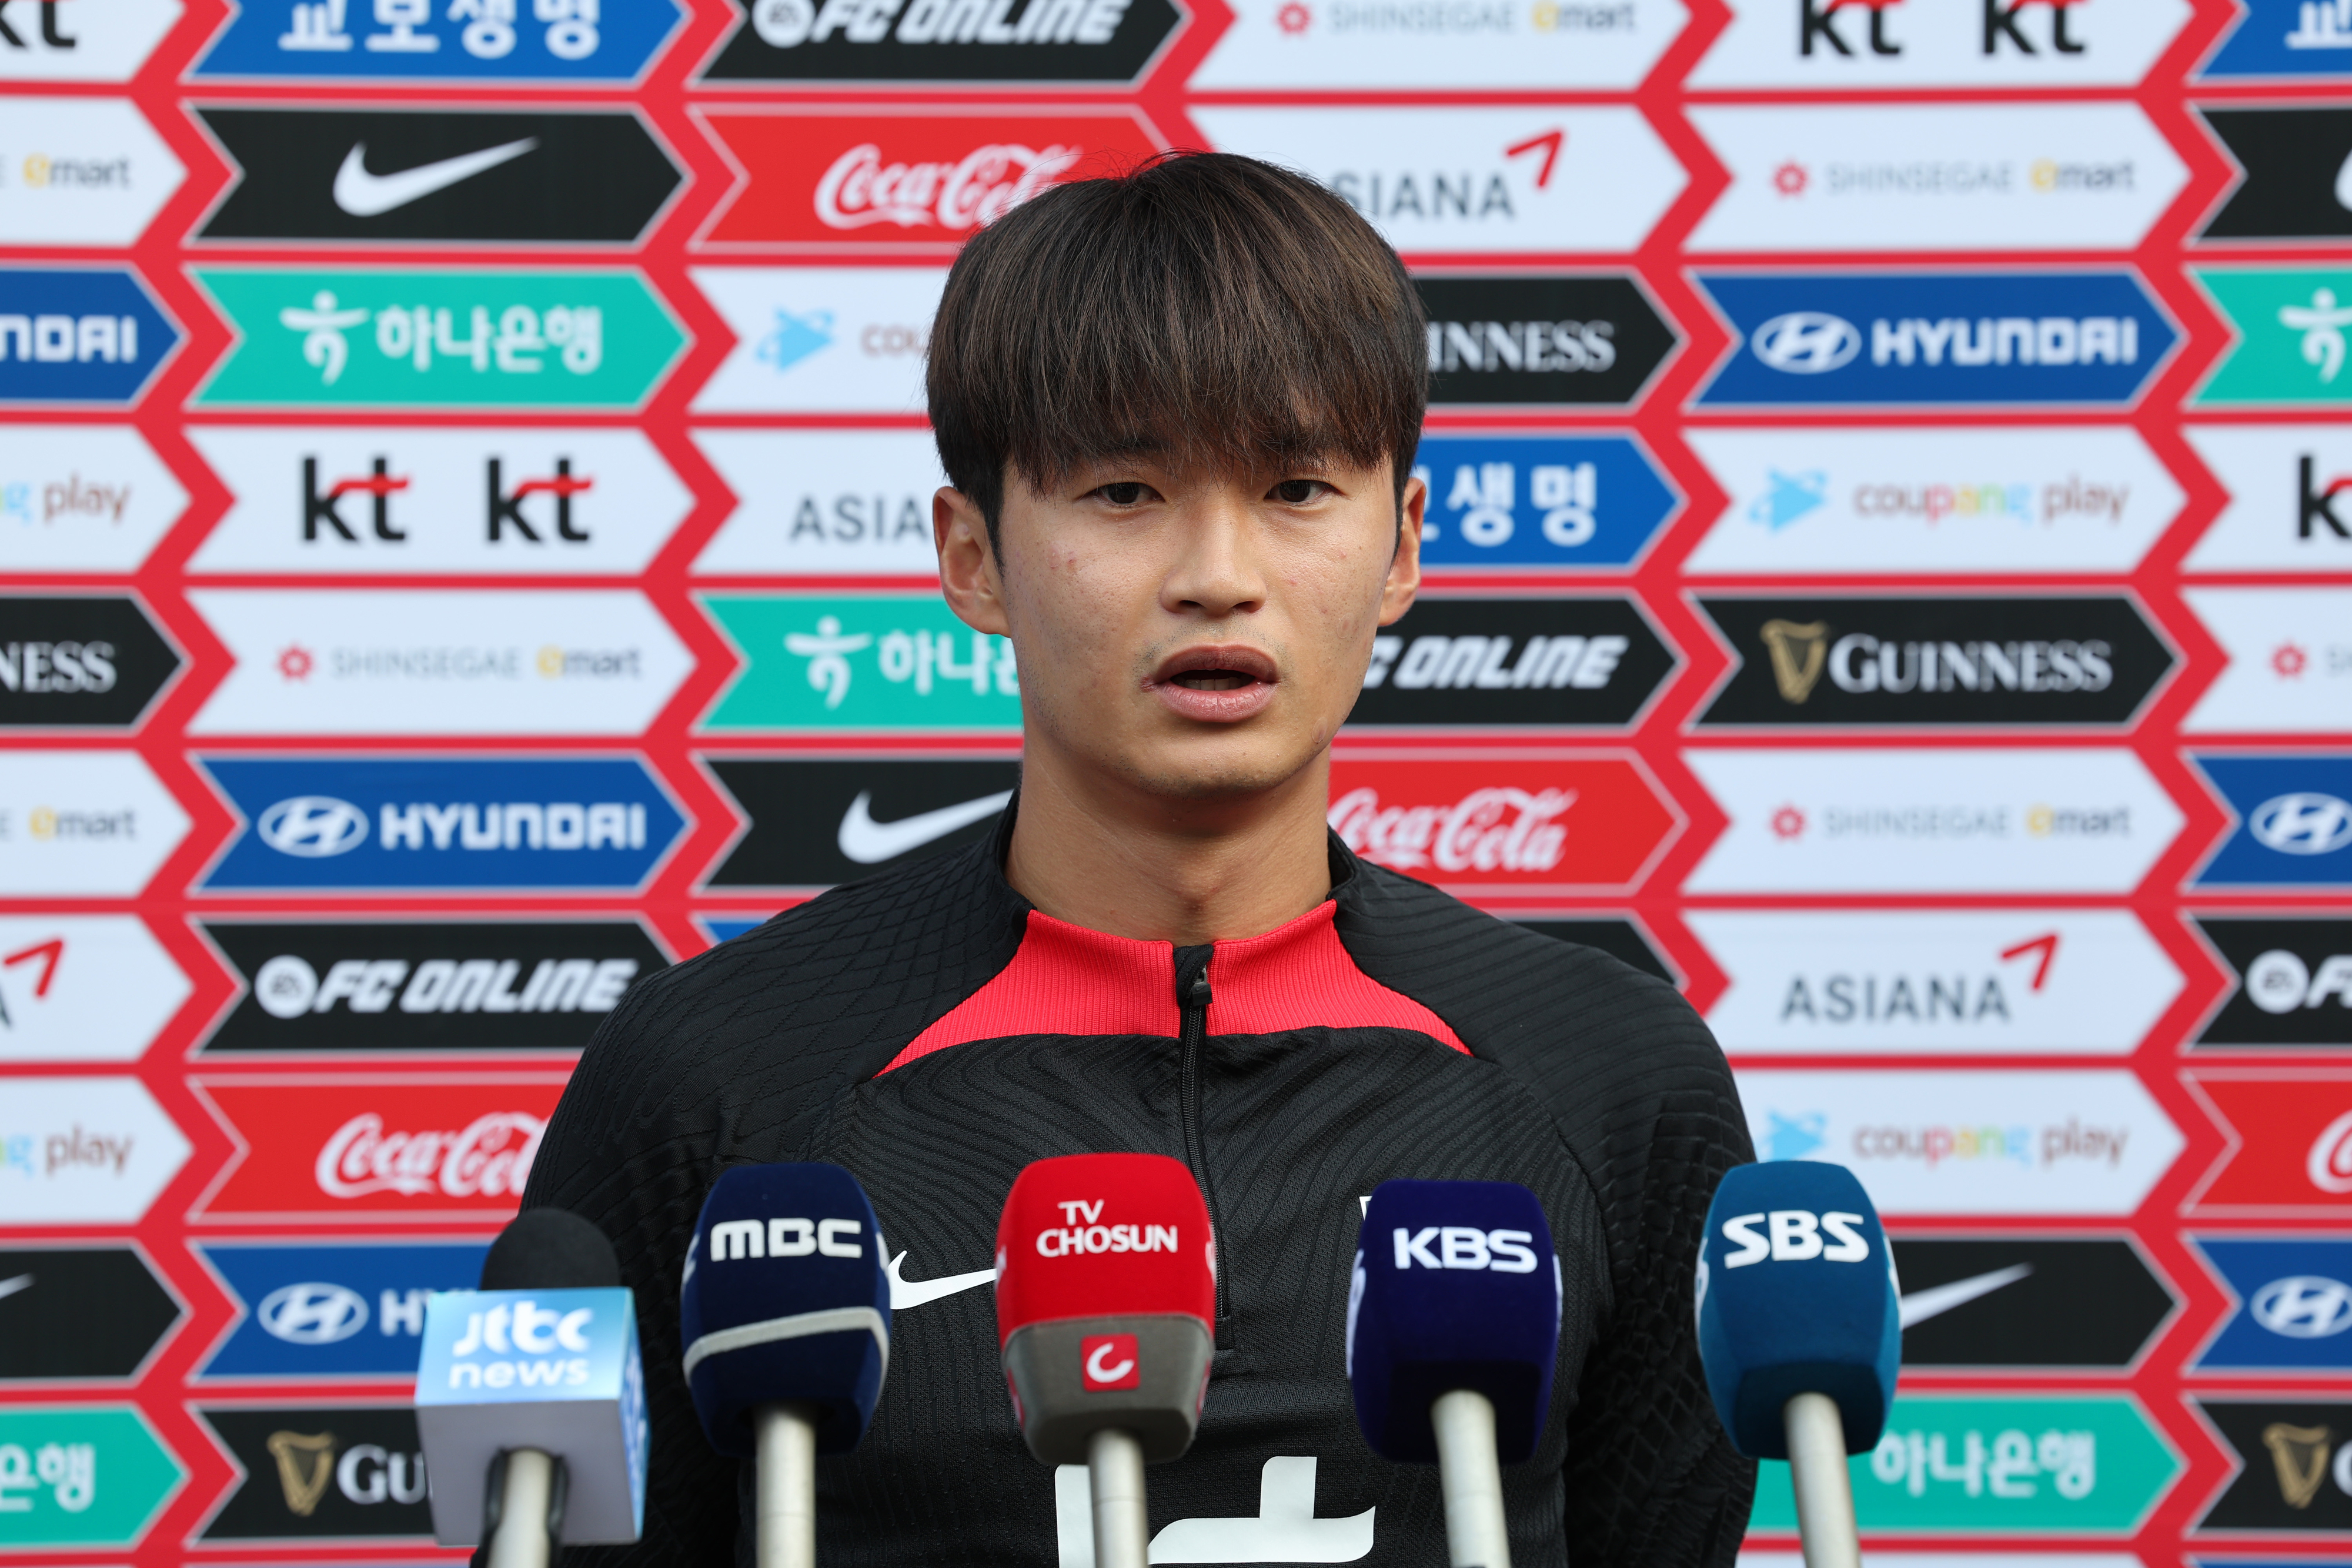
{"x": 856, "y": 971}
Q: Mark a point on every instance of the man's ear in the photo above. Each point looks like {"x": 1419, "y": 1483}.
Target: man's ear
{"x": 1404, "y": 567}
{"x": 970, "y": 577}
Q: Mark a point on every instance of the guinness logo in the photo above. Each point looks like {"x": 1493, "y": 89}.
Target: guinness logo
{"x": 1797, "y": 654}
{"x": 305, "y": 1462}
{"x": 2301, "y": 1455}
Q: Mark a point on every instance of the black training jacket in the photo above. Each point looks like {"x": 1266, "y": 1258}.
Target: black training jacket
{"x": 934, "y": 1033}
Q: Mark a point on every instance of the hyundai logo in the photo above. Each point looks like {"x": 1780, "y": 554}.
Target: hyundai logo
{"x": 313, "y": 826}
{"x": 2303, "y": 823}
{"x": 1806, "y": 342}
{"x": 312, "y": 1313}
{"x": 2304, "y": 1306}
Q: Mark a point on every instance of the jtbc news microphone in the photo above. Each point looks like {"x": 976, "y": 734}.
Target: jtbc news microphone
{"x": 1105, "y": 1295}
{"x": 1800, "y": 1328}
{"x": 530, "y": 1399}
{"x": 786, "y": 1323}
{"x": 1452, "y": 1331}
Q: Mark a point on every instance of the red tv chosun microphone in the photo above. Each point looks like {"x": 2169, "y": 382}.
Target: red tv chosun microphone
{"x": 1106, "y": 1294}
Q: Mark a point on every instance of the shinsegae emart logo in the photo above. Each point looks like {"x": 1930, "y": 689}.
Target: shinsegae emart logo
{"x": 862, "y": 662}
{"x": 2290, "y": 325}
{"x": 2003, "y": 1465}
{"x": 417, "y": 337}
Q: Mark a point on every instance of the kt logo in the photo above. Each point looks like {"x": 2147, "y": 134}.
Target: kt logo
{"x": 2318, "y": 502}
{"x": 1817, "y": 22}
{"x": 321, "y": 509}
{"x": 49, "y": 33}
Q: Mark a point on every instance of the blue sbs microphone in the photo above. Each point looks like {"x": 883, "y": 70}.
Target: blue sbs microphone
{"x": 785, "y": 1318}
{"x": 1453, "y": 1332}
{"x": 1799, "y": 1327}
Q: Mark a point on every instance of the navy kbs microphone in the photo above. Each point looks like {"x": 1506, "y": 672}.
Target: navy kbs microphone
{"x": 1799, "y": 1324}
{"x": 1105, "y": 1293}
{"x": 530, "y": 1399}
{"x": 1452, "y": 1331}
{"x": 785, "y": 1317}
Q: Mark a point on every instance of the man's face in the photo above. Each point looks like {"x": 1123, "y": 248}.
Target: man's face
{"x": 1194, "y": 636}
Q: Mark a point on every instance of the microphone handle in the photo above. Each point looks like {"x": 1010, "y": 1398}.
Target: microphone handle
{"x": 787, "y": 1484}
{"x": 1115, "y": 1480}
{"x": 1817, "y": 1472}
{"x": 527, "y": 1494}
{"x": 1472, "y": 1479}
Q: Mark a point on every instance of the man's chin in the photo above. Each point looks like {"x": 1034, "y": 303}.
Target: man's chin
{"x": 1226, "y": 770}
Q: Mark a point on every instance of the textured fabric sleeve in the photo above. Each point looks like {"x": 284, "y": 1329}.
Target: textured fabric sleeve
{"x": 1645, "y": 1105}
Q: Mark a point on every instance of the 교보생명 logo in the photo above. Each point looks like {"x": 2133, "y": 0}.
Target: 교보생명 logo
{"x": 1547, "y": 500}
{"x": 2294, "y": 820}
{"x": 325, "y": 1310}
{"x": 411, "y": 174}
{"x": 555, "y": 42}
{"x": 337, "y": 988}
{"x": 1836, "y": 502}
{"x": 834, "y": 340}
{"x": 1540, "y": 339}
{"x": 2088, "y": 339}
{"x": 2285, "y": 39}
{"x": 78, "y": 336}
{"x": 447, "y": 822}
{"x": 1062, "y": 42}
{"x": 584, "y": 338}
{"x": 899, "y": 182}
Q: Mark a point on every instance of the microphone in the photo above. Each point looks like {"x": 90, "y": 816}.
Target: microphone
{"x": 785, "y": 1318}
{"x": 1453, "y": 1332}
{"x": 530, "y": 1399}
{"x": 1800, "y": 1328}
{"x": 1105, "y": 1295}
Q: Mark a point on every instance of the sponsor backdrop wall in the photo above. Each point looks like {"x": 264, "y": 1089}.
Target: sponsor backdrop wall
{"x": 464, "y": 545}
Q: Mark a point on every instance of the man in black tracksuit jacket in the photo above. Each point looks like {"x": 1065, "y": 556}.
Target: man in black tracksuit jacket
{"x": 1162, "y": 950}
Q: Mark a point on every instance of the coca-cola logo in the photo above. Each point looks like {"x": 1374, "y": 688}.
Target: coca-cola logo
{"x": 489, "y": 1157}
{"x": 1491, "y": 830}
{"x": 860, "y": 189}
{"x": 2329, "y": 1164}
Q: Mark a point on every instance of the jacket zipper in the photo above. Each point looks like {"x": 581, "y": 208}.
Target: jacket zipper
{"x": 1192, "y": 1005}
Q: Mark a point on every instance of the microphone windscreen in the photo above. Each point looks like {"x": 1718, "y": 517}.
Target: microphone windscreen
{"x": 1455, "y": 1287}
{"x": 785, "y": 1297}
{"x": 1106, "y": 1302}
{"x": 550, "y": 1250}
{"x": 1797, "y": 1295}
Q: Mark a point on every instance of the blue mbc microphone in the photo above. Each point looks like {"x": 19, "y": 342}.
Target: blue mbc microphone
{"x": 1453, "y": 1333}
{"x": 1800, "y": 1328}
{"x": 785, "y": 1318}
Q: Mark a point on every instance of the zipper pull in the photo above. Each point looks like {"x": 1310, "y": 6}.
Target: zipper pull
{"x": 1192, "y": 977}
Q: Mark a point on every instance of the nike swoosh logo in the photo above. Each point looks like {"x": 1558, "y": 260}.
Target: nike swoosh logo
{"x": 903, "y": 1295}
{"x": 10, "y": 1287}
{"x": 366, "y": 196}
{"x": 869, "y": 842}
{"x": 2344, "y": 184}
{"x": 1936, "y": 1300}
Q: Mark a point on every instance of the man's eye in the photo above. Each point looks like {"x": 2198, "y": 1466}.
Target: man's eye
{"x": 1299, "y": 492}
{"x": 1125, "y": 493}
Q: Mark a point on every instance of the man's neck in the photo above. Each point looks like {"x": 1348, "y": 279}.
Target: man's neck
{"x": 1184, "y": 872}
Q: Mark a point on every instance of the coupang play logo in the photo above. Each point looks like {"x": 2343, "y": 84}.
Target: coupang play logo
{"x": 2087, "y": 339}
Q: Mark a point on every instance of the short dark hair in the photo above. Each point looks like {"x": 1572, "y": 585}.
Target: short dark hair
{"x": 1205, "y": 306}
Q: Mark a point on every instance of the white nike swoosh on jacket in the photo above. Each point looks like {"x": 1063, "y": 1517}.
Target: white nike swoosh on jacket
{"x": 869, "y": 842}
{"x": 1936, "y": 1300}
{"x": 903, "y": 1295}
{"x": 21, "y": 1282}
{"x": 365, "y": 195}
